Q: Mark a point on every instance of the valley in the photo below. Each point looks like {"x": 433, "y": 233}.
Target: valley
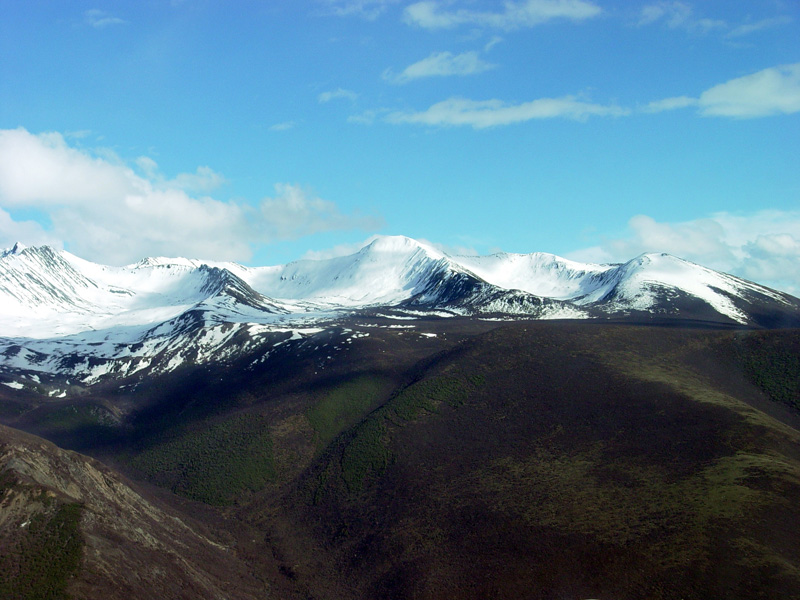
{"x": 470, "y": 458}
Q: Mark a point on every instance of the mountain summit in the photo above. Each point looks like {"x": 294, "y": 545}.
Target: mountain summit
{"x": 64, "y": 316}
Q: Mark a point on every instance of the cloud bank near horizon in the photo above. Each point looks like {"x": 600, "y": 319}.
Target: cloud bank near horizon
{"x": 763, "y": 247}
{"x": 109, "y": 212}
{"x": 114, "y": 213}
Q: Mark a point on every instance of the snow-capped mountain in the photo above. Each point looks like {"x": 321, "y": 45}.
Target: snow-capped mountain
{"x": 62, "y": 316}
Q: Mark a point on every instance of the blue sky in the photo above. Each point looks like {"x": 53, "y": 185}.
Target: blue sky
{"x": 263, "y": 132}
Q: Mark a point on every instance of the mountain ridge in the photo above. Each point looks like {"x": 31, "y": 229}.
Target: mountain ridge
{"x": 63, "y": 316}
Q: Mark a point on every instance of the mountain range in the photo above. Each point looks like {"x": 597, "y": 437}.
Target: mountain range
{"x": 69, "y": 322}
{"x": 396, "y": 424}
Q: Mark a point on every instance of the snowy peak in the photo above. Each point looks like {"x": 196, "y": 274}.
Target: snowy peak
{"x": 386, "y": 271}
{"x": 222, "y": 284}
{"x": 46, "y": 293}
{"x": 646, "y": 281}
{"x": 65, "y": 317}
{"x": 41, "y": 276}
{"x": 16, "y": 249}
{"x": 399, "y": 245}
{"x": 389, "y": 271}
{"x": 538, "y": 273}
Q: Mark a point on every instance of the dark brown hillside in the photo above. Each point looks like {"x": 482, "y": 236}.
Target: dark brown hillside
{"x": 464, "y": 458}
{"x": 565, "y": 461}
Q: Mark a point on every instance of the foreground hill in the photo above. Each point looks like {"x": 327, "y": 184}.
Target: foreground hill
{"x": 71, "y": 527}
{"x": 442, "y": 458}
{"x": 542, "y": 462}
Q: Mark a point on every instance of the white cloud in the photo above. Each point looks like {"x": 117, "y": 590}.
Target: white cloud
{"x": 367, "y": 117}
{"x": 339, "y": 250}
{"x": 681, "y": 15}
{"x": 766, "y": 93}
{"x": 675, "y": 12}
{"x": 31, "y": 232}
{"x": 748, "y": 28}
{"x": 670, "y": 104}
{"x": 492, "y": 43}
{"x": 762, "y": 247}
{"x": 44, "y": 171}
{"x": 105, "y": 211}
{"x": 367, "y": 9}
{"x": 100, "y": 19}
{"x": 337, "y": 95}
{"x": 678, "y": 15}
{"x": 204, "y": 179}
{"x": 149, "y": 167}
{"x": 527, "y": 13}
{"x": 493, "y": 113}
{"x": 285, "y": 126}
{"x": 295, "y": 212}
{"x": 769, "y": 92}
{"x": 78, "y": 135}
{"x": 441, "y": 64}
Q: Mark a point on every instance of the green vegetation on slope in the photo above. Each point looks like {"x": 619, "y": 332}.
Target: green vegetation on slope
{"x": 772, "y": 362}
{"x": 626, "y": 503}
{"x": 364, "y": 451}
{"x": 10, "y": 408}
{"x": 44, "y": 557}
{"x": 587, "y": 462}
{"x": 367, "y": 452}
{"x": 343, "y": 406}
{"x": 213, "y": 462}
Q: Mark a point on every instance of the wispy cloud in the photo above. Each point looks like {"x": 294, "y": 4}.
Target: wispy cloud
{"x": 367, "y": 117}
{"x": 432, "y": 14}
{"x": 441, "y": 64}
{"x": 203, "y": 180}
{"x": 481, "y": 114}
{"x": 78, "y": 134}
{"x": 496, "y": 39}
{"x": 678, "y": 15}
{"x": 113, "y": 213}
{"x": 100, "y": 18}
{"x": 681, "y": 15}
{"x": 748, "y": 28}
{"x": 769, "y": 92}
{"x": 339, "y": 94}
{"x": 670, "y": 104}
{"x": 762, "y": 246}
{"x": 366, "y": 9}
{"x": 295, "y": 212}
{"x": 284, "y": 126}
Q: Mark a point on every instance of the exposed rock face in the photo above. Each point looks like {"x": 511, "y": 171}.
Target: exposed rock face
{"x": 131, "y": 547}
